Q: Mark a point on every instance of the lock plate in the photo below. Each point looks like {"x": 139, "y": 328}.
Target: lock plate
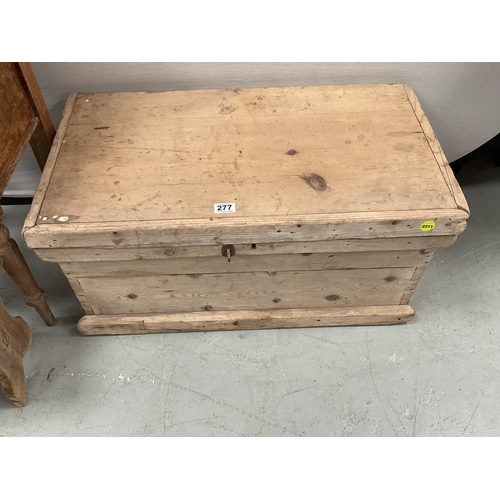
{"x": 228, "y": 251}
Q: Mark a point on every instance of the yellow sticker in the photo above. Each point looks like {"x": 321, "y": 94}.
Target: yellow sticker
{"x": 428, "y": 225}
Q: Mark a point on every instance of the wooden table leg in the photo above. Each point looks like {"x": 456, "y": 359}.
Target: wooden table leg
{"x": 16, "y": 267}
{"x": 15, "y": 340}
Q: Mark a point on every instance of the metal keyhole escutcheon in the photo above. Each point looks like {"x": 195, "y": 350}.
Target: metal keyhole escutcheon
{"x": 228, "y": 251}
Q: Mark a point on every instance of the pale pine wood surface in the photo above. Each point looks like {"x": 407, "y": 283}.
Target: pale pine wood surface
{"x": 248, "y": 263}
{"x": 243, "y": 320}
{"x": 304, "y": 151}
{"x": 437, "y": 151}
{"x": 250, "y": 290}
{"x": 331, "y": 186}
{"x": 243, "y": 231}
{"x": 40, "y": 193}
{"x": 98, "y": 254}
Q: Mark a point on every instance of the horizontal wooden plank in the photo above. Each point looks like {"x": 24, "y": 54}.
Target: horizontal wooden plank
{"x": 197, "y": 104}
{"x": 257, "y": 290}
{"x": 241, "y": 231}
{"x": 181, "y": 252}
{"x": 437, "y": 151}
{"x": 243, "y": 320}
{"x": 248, "y": 263}
{"x": 41, "y": 190}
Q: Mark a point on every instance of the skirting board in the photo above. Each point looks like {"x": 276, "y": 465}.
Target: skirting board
{"x": 243, "y": 320}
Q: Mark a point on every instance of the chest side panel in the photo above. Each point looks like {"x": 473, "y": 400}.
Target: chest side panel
{"x": 247, "y": 291}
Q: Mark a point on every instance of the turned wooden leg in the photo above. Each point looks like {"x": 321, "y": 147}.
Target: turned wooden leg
{"x": 16, "y": 267}
{"x": 15, "y": 340}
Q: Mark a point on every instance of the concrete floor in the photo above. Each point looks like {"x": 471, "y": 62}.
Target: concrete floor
{"x": 435, "y": 376}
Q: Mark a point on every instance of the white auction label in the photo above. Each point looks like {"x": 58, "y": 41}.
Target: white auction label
{"x": 224, "y": 208}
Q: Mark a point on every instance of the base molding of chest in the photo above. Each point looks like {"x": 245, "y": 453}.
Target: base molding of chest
{"x": 121, "y": 324}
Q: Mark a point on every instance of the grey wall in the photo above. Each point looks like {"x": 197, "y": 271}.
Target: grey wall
{"x": 461, "y": 100}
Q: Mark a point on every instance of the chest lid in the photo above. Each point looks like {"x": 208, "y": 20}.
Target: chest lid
{"x": 243, "y": 165}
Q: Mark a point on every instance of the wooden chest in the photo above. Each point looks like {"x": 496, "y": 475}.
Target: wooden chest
{"x": 245, "y": 208}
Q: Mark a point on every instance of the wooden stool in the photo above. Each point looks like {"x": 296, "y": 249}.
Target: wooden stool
{"x": 23, "y": 118}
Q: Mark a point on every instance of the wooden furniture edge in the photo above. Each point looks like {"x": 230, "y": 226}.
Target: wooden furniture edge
{"x": 80, "y": 295}
{"x": 95, "y": 254}
{"x": 252, "y": 89}
{"x": 49, "y": 166}
{"x": 455, "y": 214}
{"x": 238, "y": 230}
{"x": 243, "y": 320}
{"x": 437, "y": 150}
{"x": 33, "y": 232}
{"x": 30, "y": 128}
{"x": 34, "y": 93}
